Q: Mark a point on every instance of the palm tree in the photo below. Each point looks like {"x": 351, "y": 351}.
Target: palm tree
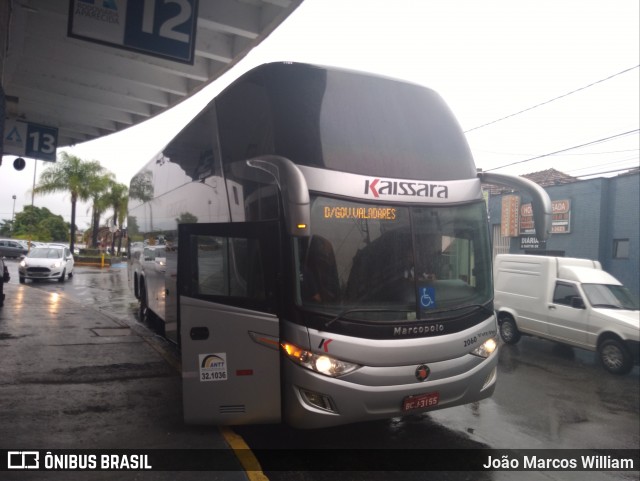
{"x": 100, "y": 203}
{"x": 118, "y": 199}
{"x": 70, "y": 174}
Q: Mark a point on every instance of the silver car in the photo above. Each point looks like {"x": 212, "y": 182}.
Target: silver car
{"x": 48, "y": 262}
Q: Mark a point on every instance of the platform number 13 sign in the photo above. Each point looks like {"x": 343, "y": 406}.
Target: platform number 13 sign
{"x": 26, "y": 139}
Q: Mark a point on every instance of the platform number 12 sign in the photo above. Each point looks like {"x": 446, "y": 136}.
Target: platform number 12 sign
{"x": 162, "y": 28}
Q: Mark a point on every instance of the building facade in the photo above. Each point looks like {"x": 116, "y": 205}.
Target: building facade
{"x": 593, "y": 219}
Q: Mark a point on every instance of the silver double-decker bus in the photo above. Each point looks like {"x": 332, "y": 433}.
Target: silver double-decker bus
{"x": 316, "y": 242}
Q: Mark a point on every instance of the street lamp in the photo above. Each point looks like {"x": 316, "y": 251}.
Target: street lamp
{"x": 13, "y": 213}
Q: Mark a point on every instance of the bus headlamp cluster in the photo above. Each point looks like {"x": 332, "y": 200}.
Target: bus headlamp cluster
{"x": 486, "y": 348}
{"x": 320, "y": 363}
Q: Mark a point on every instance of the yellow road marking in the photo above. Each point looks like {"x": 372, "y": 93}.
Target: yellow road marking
{"x": 241, "y": 449}
{"x": 244, "y": 454}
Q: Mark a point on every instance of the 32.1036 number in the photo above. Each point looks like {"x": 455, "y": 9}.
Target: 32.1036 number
{"x": 213, "y": 376}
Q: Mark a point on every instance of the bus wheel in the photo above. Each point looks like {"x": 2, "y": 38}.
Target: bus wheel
{"x": 615, "y": 357}
{"x": 509, "y": 331}
{"x": 143, "y": 308}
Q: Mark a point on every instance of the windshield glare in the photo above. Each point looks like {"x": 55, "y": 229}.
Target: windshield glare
{"x": 45, "y": 253}
{"x": 610, "y": 295}
{"x": 393, "y": 262}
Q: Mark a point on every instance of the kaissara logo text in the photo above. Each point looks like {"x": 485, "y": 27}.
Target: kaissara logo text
{"x": 378, "y": 187}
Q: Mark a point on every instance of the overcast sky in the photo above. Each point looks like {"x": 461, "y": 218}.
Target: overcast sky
{"x": 570, "y": 67}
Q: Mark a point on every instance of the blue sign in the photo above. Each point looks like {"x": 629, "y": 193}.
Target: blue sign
{"x": 163, "y": 28}
{"x": 427, "y": 297}
{"x": 30, "y": 140}
{"x": 41, "y": 143}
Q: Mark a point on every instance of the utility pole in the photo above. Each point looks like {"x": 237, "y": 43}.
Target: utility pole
{"x": 13, "y": 213}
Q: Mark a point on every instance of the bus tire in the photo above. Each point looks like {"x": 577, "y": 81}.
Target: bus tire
{"x": 143, "y": 307}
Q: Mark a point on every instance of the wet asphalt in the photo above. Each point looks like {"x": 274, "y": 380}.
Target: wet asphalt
{"x": 79, "y": 370}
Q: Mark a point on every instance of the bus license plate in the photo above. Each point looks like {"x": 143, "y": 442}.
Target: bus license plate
{"x": 421, "y": 401}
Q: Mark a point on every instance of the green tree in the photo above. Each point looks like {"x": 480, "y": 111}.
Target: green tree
{"x": 187, "y": 218}
{"x": 73, "y": 175}
{"x": 56, "y": 227}
{"x": 133, "y": 231}
{"x": 5, "y": 228}
{"x": 38, "y": 223}
{"x": 118, "y": 197}
{"x": 100, "y": 203}
{"x": 142, "y": 189}
{"x": 142, "y": 186}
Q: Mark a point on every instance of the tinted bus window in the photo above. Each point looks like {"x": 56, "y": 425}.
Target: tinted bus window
{"x": 342, "y": 121}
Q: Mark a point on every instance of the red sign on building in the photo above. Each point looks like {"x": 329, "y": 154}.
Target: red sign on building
{"x": 510, "y": 216}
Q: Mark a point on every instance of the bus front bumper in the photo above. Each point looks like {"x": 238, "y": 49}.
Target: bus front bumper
{"x": 312, "y": 400}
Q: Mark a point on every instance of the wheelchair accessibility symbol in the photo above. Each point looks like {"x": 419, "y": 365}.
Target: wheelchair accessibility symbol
{"x": 427, "y": 297}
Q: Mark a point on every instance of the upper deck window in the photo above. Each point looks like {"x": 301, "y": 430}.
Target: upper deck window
{"x": 343, "y": 121}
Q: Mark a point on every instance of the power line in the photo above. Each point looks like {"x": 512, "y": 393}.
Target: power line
{"x": 605, "y": 152}
{"x": 552, "y": 100}
{"x": 624, "y": 162}
{"x": 627, "y": 169}
{"x": 564, "y": 150}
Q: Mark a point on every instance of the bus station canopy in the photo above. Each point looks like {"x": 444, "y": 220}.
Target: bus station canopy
{"x": 88, "y": 68}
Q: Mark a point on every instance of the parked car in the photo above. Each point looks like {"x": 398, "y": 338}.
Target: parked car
{"x": 12, "y": 248}
{"x": 48, "y": 262}
{"x": 568, "y": 300}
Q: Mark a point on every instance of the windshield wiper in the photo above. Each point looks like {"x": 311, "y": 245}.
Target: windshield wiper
{"x": 341, "y": 314}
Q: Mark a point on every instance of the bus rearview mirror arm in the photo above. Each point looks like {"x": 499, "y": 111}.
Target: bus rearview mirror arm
{"x": 540, "y": 201}
{"x": 293, "y": 188}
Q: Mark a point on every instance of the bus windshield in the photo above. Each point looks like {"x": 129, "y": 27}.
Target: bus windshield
{"x": 375, "y": 262}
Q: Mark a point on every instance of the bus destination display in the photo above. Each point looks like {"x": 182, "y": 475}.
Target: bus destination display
{"x": 378, "y": 213}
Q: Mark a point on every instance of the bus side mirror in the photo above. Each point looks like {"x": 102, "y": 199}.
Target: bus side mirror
{"x": 293, "y": 189}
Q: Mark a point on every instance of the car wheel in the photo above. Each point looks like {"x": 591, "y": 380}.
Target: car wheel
{"x": 509, "y": 331}
{"x": 63, "y": 276}
{"x": 21, "y": 279}
{"x": 70, "y": 275}
{"x": 615, "y": 357}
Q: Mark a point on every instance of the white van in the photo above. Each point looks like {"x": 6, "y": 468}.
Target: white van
{"x": 568, "y": 300}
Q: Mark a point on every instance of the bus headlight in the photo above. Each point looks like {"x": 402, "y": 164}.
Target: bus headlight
{"x": 486, "y": 348}
{"x": 320, "y": 363}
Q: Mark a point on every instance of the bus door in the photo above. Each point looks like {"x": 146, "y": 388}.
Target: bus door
{"x": 229, "y": 330}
